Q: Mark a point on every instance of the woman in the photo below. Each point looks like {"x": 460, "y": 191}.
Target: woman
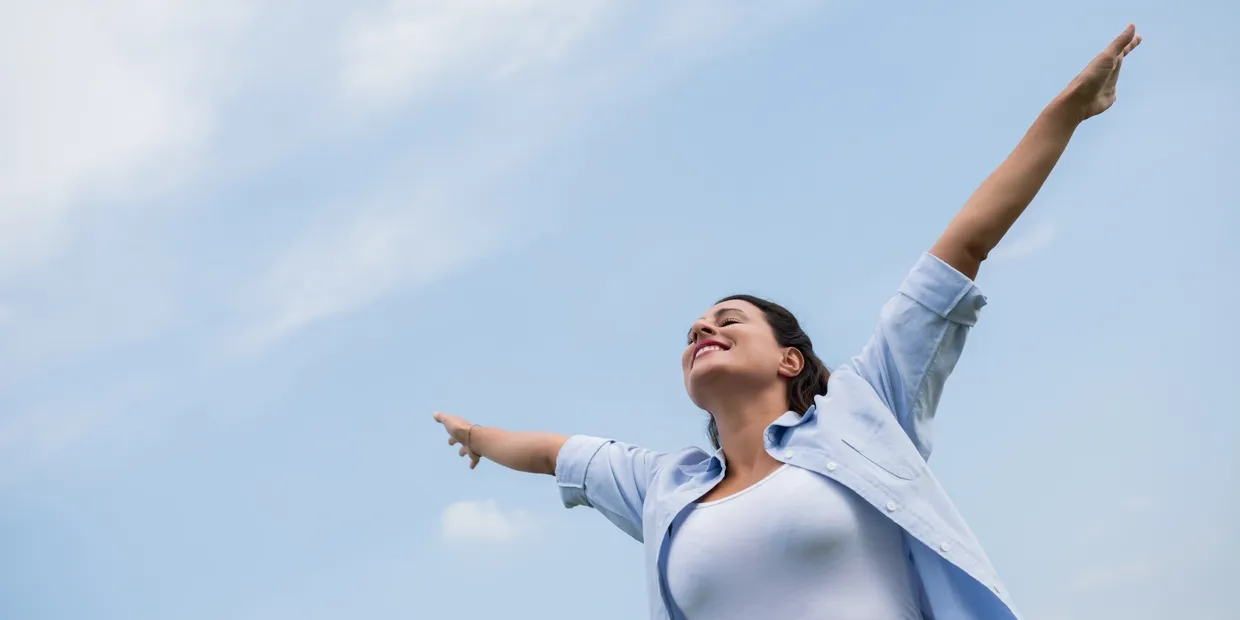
{"x": 817, "y": 501}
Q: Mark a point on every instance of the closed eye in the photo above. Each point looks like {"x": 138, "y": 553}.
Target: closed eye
{"x": 725, "y": 321}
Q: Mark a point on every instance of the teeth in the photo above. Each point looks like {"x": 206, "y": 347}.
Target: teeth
{"x": 707, "y": 349}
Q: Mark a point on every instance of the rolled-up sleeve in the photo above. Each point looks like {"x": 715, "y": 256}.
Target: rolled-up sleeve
{"x": 920, "y": 335}
{"x": 608, "y": 476}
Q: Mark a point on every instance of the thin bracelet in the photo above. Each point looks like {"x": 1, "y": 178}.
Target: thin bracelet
{"x": 469, "y": 438}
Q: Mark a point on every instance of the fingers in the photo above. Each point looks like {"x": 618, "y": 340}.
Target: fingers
{"x": 1119, "y": 46}
{"x": 443, "y": 418}
{"x": 1132, "y": 45}
{"x": 473, "y": 458}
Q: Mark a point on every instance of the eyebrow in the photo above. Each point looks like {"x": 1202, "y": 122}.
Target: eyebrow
{"x": 718, "y": 313}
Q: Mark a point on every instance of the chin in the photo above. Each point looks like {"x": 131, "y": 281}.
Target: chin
{"x": 705, "y": 369}
{"x": 705, "y": 378}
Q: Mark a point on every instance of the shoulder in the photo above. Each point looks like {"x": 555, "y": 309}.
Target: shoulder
{"x": 845, "y": 379}
{"x": 851, "y": 405}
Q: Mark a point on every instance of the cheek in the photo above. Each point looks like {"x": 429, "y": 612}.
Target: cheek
{"x": 756, "y": 350}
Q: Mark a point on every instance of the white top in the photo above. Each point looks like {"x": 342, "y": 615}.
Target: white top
{"x": 796, "y": 545}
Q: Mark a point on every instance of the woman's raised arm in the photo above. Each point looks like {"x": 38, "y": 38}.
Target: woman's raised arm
{"x": 1003, "y": 196}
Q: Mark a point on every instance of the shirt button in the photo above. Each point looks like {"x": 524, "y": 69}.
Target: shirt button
{"x": 891, "y": 506}
{"x": 831, "y": 465}
{"x": 945, "y": 547}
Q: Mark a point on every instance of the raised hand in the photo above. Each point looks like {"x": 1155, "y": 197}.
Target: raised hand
{"x": 458, "y": 433}
{"x": 1093, "y": 91}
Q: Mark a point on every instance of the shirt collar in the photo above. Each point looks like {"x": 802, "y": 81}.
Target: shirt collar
{"x": 791, "y": 419}
{"x": 718, "y": 464}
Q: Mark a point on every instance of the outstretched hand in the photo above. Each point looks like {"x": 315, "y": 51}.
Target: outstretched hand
{"x": 1093, "y": 91}
{"x": 458, "y": 433}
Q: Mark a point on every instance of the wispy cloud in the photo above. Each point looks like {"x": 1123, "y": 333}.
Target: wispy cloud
{"x": 28, "y": 439}
{"x": 1027, "y": 243}
{"x": 411, "y": 47}
{"x": 482, "y": 521}
{"x": 694, "y": 29}
{"x": 536, "y": 73}
{"x": 33, "y": 436}
{"x": 103, "y": 101}
{"x": 346, "y": 263}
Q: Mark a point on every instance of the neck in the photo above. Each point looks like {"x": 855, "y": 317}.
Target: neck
{"x": 742, "y": 421}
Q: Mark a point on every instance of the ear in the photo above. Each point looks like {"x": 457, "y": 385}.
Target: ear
{"x": 792, "y": 363}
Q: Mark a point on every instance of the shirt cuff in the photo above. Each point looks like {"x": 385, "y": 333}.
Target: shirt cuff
{"x": 943, "y": 290}
{"x": 571, "y": 465}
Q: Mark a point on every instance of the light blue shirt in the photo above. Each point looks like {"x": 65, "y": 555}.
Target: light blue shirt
{"x": 870, "y": 432}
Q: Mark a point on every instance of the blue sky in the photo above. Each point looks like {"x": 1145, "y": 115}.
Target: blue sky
{"x": 248, "y": 246}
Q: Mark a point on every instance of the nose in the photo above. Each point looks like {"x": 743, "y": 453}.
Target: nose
{"x": 702, "y": 329}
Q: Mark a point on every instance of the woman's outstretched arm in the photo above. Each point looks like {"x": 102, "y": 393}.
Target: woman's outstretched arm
{"x": 526, "y": 451}
{"x": 608, "y": 476}
{"x": 1003, "y": 196}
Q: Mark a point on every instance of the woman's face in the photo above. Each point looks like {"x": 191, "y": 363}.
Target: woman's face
{"x": 733, "y": 347}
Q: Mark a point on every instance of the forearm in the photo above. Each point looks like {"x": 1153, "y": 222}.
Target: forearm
{"x": 1003, "y": 196}
{"x": 526, "y": 451}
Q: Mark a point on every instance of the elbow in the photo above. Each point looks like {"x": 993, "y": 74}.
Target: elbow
{"x": 547, "y": 466}
{"x": 965, "y": 257}
{"x": 977, "y": 251}
{"x": 550, "y": 456}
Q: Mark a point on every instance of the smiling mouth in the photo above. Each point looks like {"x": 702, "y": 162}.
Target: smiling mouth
{"x": 710, "y": 348}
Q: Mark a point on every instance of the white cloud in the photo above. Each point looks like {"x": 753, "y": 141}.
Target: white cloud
{"x": 417, "y": 45}
{"x": 105, "y": 105}
{"x": 102, "y": 101}
{"x": 482, "y": 521}
{"x": 1028, "y": 243}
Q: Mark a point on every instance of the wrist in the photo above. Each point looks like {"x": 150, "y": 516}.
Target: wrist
{"x": 470, "y": 437}
{"x": 1063, "y": 114}
{"x": 1065, "y": 110}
